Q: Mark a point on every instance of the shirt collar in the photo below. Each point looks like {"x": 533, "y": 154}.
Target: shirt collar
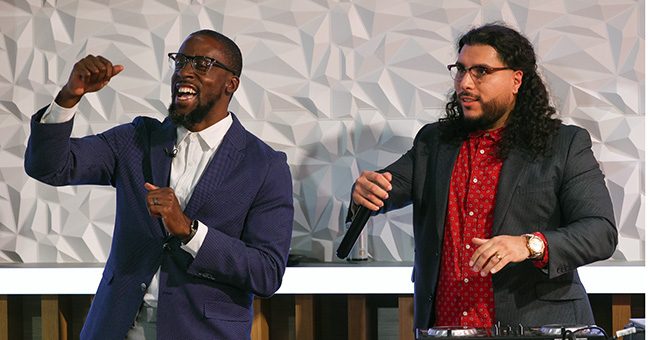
{"x": 494, "y": 135}
{"x": 211, "y": 136}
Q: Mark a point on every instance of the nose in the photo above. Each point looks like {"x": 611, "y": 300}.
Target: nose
{"x": 466, "y": 81}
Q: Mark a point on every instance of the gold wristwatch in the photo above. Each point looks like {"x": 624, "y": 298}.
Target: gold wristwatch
{"x": 535, "y": 246}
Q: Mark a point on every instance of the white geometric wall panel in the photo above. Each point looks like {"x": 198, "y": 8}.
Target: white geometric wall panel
{"x": 340, "y": 86}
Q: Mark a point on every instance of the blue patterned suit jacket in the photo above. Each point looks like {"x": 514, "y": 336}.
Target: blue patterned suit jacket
{"x": 244, "y": 197}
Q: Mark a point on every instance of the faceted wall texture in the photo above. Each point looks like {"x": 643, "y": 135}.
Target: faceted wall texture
{"x": 340, "y": 86}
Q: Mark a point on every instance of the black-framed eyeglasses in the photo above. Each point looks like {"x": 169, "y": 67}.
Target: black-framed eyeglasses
{"x": 199, "y": 63}
{"x": 477, "y": 72}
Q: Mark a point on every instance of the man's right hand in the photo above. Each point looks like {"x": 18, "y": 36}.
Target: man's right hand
{"x": 89, "y": 74}
{"x": 371, "y": 189}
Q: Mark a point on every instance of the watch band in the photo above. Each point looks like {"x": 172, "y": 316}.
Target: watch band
{"x": 193, "y": 228}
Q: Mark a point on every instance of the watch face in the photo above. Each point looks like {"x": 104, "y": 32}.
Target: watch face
{"x": 536, "y": 244}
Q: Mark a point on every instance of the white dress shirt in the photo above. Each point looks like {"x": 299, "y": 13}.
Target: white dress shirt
{"x": 194, "y": 152}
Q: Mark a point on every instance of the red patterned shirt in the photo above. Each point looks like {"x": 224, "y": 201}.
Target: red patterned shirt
{"x": 463, "y": 297}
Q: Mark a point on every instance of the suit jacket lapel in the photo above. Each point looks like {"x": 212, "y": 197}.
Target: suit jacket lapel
{"x": 162, "y": 142}
{"x": 225, "y": 159}
{"x": 445, "y": 161}
{"x": 511, "y": 171}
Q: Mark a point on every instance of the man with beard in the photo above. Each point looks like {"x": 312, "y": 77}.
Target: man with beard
{"x": 204, "y": 208}
{"x": 507, "y": 201}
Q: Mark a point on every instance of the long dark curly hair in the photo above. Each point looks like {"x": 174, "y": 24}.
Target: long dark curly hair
{"x": 531, "y": 124}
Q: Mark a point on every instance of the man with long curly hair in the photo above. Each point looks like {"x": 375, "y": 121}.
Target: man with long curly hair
{"x": 507, "y": 201}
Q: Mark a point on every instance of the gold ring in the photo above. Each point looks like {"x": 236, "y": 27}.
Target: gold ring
{"x": 499, "y": 257}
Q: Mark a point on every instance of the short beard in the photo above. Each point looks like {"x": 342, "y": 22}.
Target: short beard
{"x": 492, "y": 112}
{"x": 189, "y": 120}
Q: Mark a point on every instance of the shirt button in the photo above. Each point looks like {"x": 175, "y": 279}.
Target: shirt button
{"x": 481, "y": 151}
{"x": 143, "y": 286}
{"x": 465, "y": 280}
{"x": 475, "y": 180}
{"x": 471, "y": 213}
{"x": 467, "y": 246}
{"x": 464, "y": 313}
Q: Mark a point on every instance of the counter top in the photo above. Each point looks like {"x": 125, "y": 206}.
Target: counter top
{"x": 310, "y": 278}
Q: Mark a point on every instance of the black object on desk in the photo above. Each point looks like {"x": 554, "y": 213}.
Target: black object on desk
{"x": 358, "y": 222}
{"x": 507, "y": 332}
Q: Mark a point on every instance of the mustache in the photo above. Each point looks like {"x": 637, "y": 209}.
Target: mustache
{"x": 467, "y": 94}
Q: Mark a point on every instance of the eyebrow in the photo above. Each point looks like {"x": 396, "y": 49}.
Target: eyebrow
{"x": 482, "y": 65}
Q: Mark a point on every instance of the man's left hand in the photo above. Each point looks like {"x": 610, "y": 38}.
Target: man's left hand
{"x": 495, "y": 253}
{"x": 163, "y": 203}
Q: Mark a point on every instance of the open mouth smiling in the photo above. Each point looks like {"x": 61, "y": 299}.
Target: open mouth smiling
{"x": 185, "y": 93}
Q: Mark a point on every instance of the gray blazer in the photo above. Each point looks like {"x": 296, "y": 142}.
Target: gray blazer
{"x": 562, "y": 195}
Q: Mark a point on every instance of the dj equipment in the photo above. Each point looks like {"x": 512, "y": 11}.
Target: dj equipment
{"x": 508, "y": 332}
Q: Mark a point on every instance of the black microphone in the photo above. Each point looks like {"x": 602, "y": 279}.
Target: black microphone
{"x": 171, "y": 153}
{"x": 358, "y": 222}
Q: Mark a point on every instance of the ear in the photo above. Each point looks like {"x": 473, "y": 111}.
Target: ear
{"x": 517, "y": 77}
{"x": 232, "y": 85}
